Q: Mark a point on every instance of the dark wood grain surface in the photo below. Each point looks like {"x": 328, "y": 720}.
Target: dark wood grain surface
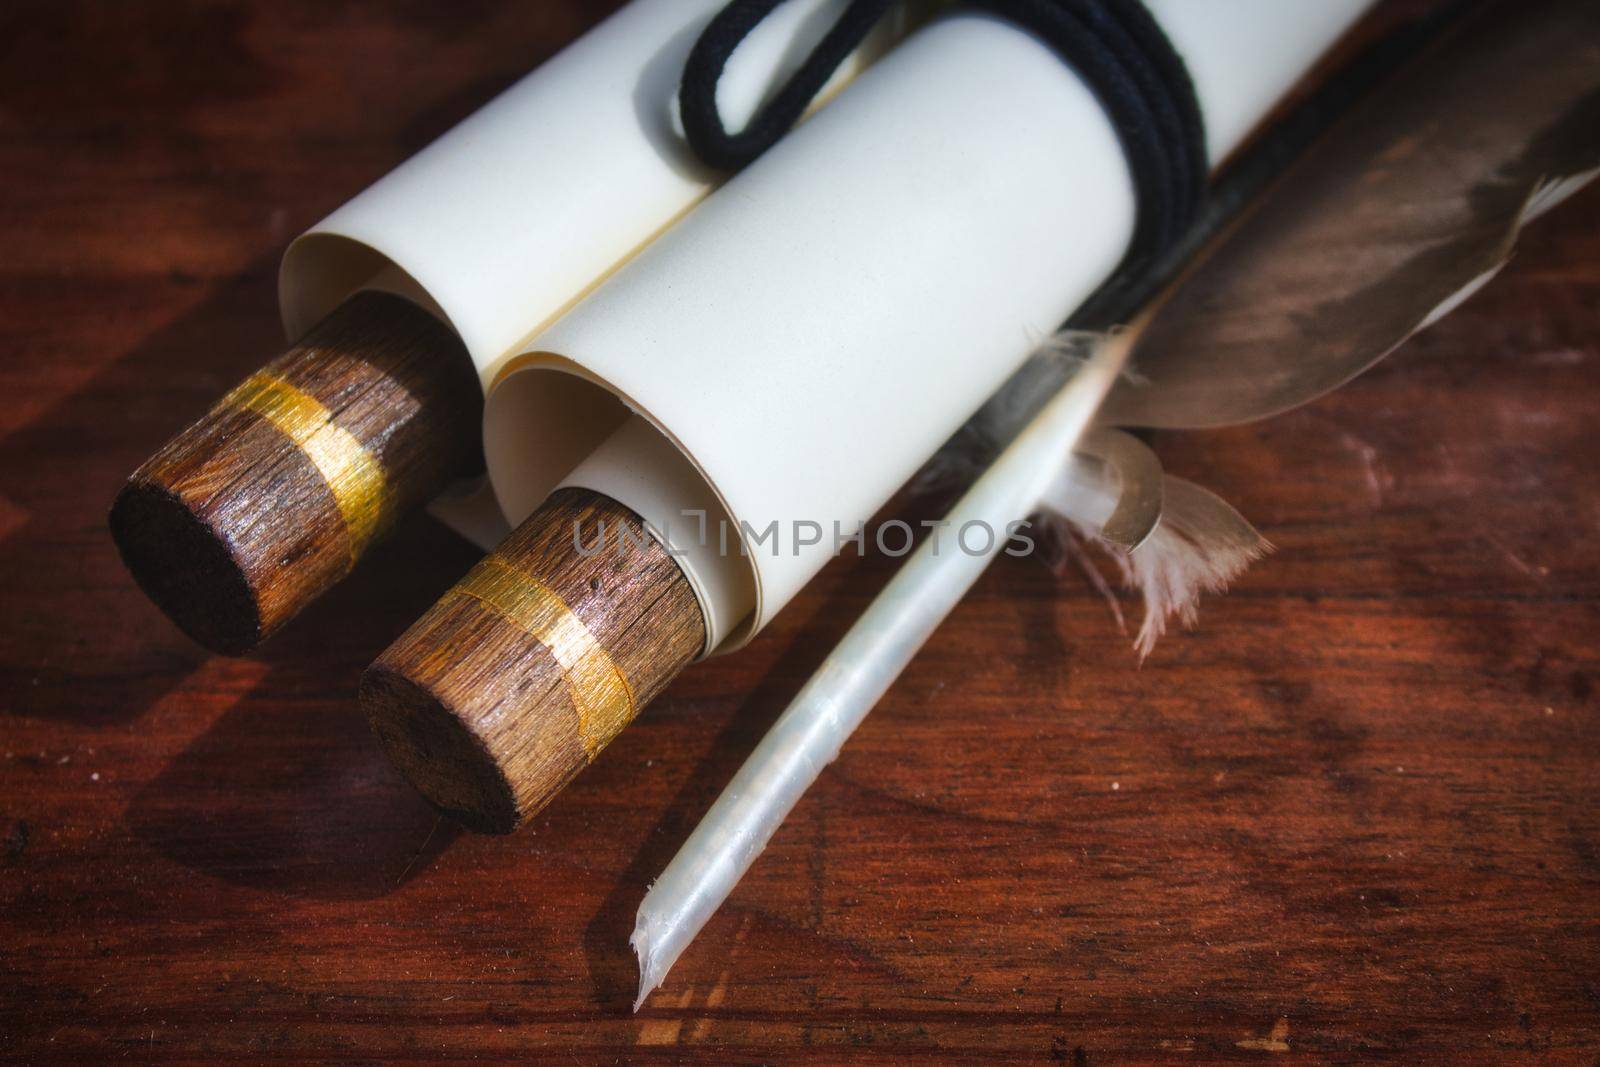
{"x": 1354, "y": 813}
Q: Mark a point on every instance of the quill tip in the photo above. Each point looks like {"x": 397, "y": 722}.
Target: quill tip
{"x": 650, "y": 974}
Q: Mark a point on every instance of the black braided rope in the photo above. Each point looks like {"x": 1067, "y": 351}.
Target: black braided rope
{"x": 1116, "y": 46}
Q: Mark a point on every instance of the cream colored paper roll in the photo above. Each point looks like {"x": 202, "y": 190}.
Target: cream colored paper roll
{"x": 814, "y": 330}
{"x": 516, "y": 212}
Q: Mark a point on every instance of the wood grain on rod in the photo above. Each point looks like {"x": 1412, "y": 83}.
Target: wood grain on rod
{"x": 516, "y": 679}
{"x": 250, "y": 514}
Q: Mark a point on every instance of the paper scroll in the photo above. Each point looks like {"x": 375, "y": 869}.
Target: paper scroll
{"x": 813, "y": 331}
{"x": 512, "y": 215}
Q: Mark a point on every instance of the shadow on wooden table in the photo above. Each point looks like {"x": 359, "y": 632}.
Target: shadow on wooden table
{"x": 95, "y": 652}
{"x": 285, "y": 789}
{"x": 613, "y": 969}
{"x": 275, "y": 782}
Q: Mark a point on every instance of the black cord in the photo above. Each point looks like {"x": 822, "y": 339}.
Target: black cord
{"x": 1116, "y": 46}
{"x": 1264, "y": 159}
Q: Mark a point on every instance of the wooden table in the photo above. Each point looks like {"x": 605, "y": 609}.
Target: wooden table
{"x": 1354, "y": 812}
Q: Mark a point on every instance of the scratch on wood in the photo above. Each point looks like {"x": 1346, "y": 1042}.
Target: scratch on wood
{"x": 665, "y": 1031}
{"x": 1277, "y": 1040}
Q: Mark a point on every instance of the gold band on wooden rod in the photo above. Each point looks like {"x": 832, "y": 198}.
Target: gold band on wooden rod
{"x": 597, "y": 687}
{"x": 353, "y": 475}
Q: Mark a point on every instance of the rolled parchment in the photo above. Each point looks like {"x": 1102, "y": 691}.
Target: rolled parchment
{"x": 250, "y": 514}
{"x": 812, "y": 332}
{"x": 756, "y": 383}
{"x": 512, "y": 215}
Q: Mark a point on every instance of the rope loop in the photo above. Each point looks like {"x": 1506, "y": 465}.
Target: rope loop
{"x": 697, "y": 96}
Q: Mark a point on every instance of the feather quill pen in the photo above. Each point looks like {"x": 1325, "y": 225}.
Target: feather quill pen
{"x": 856, "y": 673}
{"x": 1410, "y": 204}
